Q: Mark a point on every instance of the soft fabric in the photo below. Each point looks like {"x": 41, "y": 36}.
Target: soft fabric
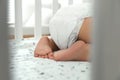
{"x": 24, "y": 66}
{"x": 66, "y": 23}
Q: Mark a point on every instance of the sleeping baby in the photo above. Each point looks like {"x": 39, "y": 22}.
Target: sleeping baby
{"x": 69, "y": 35}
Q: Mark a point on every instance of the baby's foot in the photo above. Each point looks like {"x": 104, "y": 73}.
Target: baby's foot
{"x": 49, "y": 56}
{"x": 43, "y": 48}
{"x": 42, "y": 51}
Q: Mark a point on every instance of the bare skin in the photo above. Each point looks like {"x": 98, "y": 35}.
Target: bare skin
{"x": 45, "y": 48}
{"x": 78, "y": 51}
{"x": 73, "y": 53}
{"x": 85, "y": 31}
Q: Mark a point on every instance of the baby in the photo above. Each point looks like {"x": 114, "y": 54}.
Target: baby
{"x": 67, "y": 42}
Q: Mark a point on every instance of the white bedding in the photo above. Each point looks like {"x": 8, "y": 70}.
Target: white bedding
{"x": 23, "y": 66}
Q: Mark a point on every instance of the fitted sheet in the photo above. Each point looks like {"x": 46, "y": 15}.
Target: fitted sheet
{"x": 23, "y": 66}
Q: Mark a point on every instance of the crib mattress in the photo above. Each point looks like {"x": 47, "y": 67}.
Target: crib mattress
{"x": 24, "y": 66}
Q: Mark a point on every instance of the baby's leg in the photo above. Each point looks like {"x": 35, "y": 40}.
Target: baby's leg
{"x": 85, "y": 31}
{"x": 78, "y": 51}
{"x": 44, "y": 47}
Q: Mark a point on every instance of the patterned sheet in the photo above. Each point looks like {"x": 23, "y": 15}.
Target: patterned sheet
{"x": 23, "y": 66}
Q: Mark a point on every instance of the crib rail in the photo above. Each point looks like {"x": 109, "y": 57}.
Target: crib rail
{"x": 38, "y": 17}
{"x": 18, "y": 20}
{"x": 38, "y": 21}
{"x": 55, "y": 6}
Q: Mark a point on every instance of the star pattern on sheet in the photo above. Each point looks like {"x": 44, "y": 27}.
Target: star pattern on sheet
{"x": 24, "y": 66}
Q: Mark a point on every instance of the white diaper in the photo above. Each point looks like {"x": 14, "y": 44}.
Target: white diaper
{"x": 66, "y": 23}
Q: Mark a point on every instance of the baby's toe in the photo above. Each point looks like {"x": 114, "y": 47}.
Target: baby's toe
{"x": 42, "y": 56}
{"x": 46, "y": 56}
{"x": 36, "y": 55}
{"x": 51, "y": 55}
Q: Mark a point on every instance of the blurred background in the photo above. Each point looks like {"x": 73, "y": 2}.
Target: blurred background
{"x": 28, "y": 15}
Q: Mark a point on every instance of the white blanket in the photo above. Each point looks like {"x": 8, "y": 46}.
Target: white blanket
{"x": 23, "y": 66}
